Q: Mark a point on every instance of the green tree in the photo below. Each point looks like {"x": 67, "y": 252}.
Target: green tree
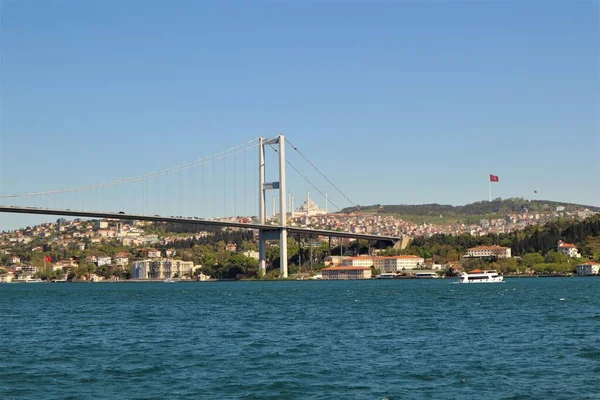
{"x": 505, "y": 265}
{"x": 555, "y": 257}
{"x": 530, "y": 259}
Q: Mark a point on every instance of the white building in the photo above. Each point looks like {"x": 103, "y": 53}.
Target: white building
{"x": 568, "y": 249}
{"x": 103, "y": 261}
{"x": 121, "y": 259}
{"x": 346, "y": 273}
{"x": 395, "y": 264}
{"x": 358, "y": 261}
{"x": 168, "y": 268}
{"x": 26, "y": 270}
{"x": 489, "y": 251}
{"x": 251, "y": 254}
{"x": 170, "y": 253}
{"x": 140, "y": 269}
{"x": 588, "y": 268}
{"x": 153, "y": 253}
{"x": 309, "y": 208}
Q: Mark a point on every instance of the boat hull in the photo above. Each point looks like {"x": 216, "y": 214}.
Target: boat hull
{"x": 481, "y": 277}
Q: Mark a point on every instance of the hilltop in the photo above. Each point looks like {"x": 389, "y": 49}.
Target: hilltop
{"x": 469, "y": 213}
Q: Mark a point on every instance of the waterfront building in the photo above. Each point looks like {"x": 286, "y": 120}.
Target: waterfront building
{"x": 346, "y": 273}
{"x": 489, "y": 251}
{"x": 140, "y": 269}
{"x": 7, "y": 277}
{"x": 168, "y": 268}
{"x": 395, "y": 264}
{"x": 568, "y": 249}
{"x": 588, "y": 268}
{"x": 27, "y": 269}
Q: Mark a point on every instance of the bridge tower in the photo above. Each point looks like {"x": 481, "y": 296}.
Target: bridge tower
{"x": 263, "y": 186}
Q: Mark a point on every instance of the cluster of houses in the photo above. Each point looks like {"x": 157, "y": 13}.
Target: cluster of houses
{"x": 154, "y": 266}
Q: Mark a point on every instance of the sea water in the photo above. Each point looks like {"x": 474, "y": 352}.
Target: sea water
{"x": 376, "y": 339}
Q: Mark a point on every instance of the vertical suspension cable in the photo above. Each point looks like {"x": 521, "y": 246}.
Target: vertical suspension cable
{"x": 180, "y": 188}
{"x": 255, "y": 193}
{"x": 224, "y": 186}
{"x": 234, "y": 185}
{"x": 245, "y": 184}
{"x": 214, "y": 187}
{"x": 192, "y": 191}
{"x": 147, "y": 196}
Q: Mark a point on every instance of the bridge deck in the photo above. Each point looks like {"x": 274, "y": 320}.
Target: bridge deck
{"x": 190, "y": 220}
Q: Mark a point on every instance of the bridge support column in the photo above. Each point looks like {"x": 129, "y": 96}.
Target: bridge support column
{"x": 262, "y": 188}
{"x": 262, "y": 254}
{"x": 283, "y": 258}
{"x": 282, "y": 209}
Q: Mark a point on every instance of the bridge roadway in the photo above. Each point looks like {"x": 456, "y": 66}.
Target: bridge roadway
{"x": 190, "y": 220}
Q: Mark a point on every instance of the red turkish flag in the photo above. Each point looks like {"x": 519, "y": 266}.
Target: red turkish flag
{"x": 48, "y": 259}
{"x": 494, "y": 178}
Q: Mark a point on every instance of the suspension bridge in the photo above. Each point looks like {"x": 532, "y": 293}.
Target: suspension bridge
{"x": 222, "y": 188}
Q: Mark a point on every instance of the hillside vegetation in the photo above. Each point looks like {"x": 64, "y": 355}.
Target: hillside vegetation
{"x": 438, "y": 213}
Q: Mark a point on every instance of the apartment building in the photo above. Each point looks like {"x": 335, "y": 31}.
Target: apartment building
{"x": 346, "y": 273}
{"x": 489, "y": 251}
{"x": 395, "y": 264}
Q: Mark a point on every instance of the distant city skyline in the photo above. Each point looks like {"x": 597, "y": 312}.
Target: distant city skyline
{"x": 396, "y": 102}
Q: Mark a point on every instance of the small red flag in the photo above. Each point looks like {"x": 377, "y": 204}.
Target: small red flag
{"x": 48, "y": 259}
{"x": 494, "y": 178}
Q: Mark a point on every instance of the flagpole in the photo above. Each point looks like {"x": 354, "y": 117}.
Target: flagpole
{"x": 490, "y": 188}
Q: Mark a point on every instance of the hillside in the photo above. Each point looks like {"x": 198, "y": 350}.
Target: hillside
{"x": 471, "y": 212}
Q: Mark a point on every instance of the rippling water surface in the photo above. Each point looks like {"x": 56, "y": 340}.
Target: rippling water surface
{"x": 433, "y": 339}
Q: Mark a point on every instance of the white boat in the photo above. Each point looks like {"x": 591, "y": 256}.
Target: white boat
{"x": 426, "y": 275}
{"x": 387, "y": 275}
{"x": 479, "y": 276}
{"x": 170, "y": 280}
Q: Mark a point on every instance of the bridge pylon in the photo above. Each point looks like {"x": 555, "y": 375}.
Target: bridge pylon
{"x": 263, "y": 186}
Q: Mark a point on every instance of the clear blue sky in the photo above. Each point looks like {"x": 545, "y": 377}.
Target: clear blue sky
{"x": 397, "y": 102}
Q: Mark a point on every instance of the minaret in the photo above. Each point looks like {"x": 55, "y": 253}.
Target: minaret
{"x": 326, "y": 204}
{"x": 274, "y": 208}
{"x": 292, "y": 206}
